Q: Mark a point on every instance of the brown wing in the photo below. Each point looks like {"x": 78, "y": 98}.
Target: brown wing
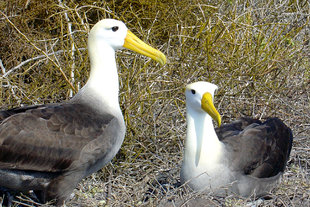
{"x": 47, "y": 138}
{"x": 258, "y": 149}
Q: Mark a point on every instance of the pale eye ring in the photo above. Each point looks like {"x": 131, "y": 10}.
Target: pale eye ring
{"x": 115, "y": 28}
{"x": 193, "y": 91}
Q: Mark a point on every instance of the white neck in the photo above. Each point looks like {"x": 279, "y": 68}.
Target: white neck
{"x": 102, "y": 87}
{"x": 202, "y": 146}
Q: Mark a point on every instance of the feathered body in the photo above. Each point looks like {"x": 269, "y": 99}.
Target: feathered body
{"x": 246, "y": 157}
{"x": 50, "y": 148}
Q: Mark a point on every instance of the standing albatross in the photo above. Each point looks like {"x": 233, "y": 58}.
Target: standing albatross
{"x": 246, "y": 157}
{"x": 50, "y": 148}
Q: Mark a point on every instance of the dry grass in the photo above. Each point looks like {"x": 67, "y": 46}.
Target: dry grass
{"x": 256, "y": 51}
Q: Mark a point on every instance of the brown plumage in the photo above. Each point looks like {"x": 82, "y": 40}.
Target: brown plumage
{"x": 259, "y": 149}
{"x": 50, "y": 142}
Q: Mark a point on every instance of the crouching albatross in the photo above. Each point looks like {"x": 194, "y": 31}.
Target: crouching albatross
{"x": 246, "y": 157}
{"x": 50, "y": 148}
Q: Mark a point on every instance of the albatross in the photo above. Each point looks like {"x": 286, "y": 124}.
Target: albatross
{"x": 50, "y": 148}
{"x": 246, "y": 157}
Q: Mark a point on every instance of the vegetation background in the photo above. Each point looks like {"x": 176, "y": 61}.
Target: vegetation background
{"x": 256, "y": 51}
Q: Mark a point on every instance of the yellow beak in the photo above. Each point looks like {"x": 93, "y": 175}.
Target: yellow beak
{"x": 207, "y": 106}
{"x": 132, "y": 42}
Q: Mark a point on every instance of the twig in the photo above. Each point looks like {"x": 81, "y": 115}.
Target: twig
{"x": 26, "y": 201}
{"x": 2, "y": 67}
{"x": 8, "y": 85}
{"x": 27, "y": 3}
{"x": 38, "y": 49}
{"x": 33, "y": 59}
{"x": 72, "y": 45}
{"x": 9, "y": 17}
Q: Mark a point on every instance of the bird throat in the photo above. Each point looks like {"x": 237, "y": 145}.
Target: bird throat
{"x": 202, "y": 144}
{"x": 102, "y": 87}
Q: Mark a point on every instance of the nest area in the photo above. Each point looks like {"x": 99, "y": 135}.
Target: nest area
{"x": 257, "y": 52}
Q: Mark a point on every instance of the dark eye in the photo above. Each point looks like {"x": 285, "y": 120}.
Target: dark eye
{"x": 115, "y": 28}
{"x": 193, "y": 91}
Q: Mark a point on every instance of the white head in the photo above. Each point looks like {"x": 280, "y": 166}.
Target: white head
{"x": 110, "y": 31}
{"x": 114, "y": 34}
{"x": 104, "y": 39}
{"x": 199, "y": 98}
